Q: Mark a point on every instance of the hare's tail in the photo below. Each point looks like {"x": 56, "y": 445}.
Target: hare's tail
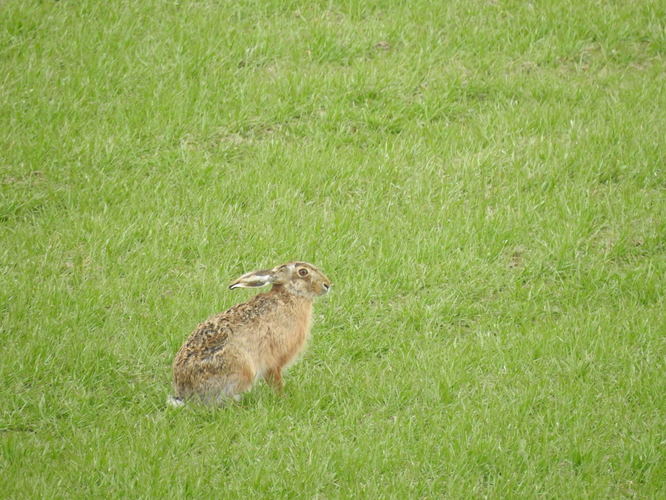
{"x": 175, "y": 401}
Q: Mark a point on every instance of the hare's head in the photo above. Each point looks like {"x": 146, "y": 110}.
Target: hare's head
{"x": 298, "y": 278}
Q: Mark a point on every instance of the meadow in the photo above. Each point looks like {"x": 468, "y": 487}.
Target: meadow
{"x": 483, "y": 181}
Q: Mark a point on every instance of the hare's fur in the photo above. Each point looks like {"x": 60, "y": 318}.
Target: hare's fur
{"x": 227, "y": 353}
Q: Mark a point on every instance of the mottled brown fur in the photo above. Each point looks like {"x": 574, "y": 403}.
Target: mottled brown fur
{"x": 226, "y": 353}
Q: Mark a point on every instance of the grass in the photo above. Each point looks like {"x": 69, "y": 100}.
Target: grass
{"x": 482, "y": 180}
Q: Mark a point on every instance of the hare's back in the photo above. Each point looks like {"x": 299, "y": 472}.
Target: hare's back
{"x": 208, "y": 338}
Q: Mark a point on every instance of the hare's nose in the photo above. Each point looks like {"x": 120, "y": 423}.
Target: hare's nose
{"x": 326, "y": 286}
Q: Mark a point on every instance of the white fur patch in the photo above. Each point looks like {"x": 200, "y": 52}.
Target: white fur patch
{"x": 175, "y": 402}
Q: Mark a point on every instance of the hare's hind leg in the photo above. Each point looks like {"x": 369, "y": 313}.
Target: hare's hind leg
{"x": 241, "y": 382}
{"x": 219, "y": 390}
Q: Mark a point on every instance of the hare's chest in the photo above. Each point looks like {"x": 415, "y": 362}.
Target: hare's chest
{"x": 293, "y": 340}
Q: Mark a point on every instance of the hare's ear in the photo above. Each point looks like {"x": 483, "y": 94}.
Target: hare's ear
{"x": 253, "y": 279}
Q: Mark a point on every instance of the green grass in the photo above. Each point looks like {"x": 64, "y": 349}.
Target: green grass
{"x": 483, "y": 181}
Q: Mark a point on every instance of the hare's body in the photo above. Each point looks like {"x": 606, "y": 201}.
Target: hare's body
{"x": 225, "y": 354}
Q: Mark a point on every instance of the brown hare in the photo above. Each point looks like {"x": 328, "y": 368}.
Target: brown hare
{"x": 227, "y": 353}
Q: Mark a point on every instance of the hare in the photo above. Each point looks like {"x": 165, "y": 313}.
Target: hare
{"x": 227, "y": 353}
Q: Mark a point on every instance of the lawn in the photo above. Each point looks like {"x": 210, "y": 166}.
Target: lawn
{"x": 483, "y": 181}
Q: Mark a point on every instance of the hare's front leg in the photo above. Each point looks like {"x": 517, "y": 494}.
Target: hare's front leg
{"x": 274, "y": 378}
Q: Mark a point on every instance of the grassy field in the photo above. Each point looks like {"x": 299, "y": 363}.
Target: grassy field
{"x": 483, "y": 181}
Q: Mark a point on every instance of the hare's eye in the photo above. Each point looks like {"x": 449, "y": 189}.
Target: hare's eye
{"x": 302, "y": 272}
